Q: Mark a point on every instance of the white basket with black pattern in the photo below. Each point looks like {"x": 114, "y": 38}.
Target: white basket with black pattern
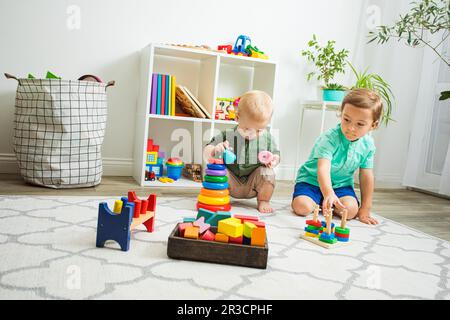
{"x": 59, "y": 127}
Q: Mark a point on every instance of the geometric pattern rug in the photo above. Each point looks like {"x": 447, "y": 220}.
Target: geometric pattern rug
{"x": 47, "y": 251}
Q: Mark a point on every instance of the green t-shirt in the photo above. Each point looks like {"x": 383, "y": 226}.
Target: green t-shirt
{"x": 346, "y": 157}
{"x": 246, "y": 151}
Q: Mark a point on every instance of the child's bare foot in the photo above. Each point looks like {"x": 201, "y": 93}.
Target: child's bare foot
{"x": 264, "y": 207}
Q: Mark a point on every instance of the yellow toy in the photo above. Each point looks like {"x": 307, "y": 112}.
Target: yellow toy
{"x": 232, "y": 227}
{"x": 166, "y": 179}
{"x": 219, "y": 201}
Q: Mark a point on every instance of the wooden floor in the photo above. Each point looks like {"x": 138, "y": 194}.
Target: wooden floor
{"x": 415, "y": 209}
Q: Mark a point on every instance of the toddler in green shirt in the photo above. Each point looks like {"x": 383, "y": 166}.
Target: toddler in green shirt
{"x": 326, "y": 178}
{"x": 247, "y": 177}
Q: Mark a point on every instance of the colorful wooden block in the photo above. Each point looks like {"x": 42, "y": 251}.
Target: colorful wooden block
{"x": 311, "y": 231}
{"x": 231, "y": 227}
{"x": 341, "y": 239}
{"x": 313, "y": 235}
{"x": 314, "y": 223}
{"x": 205, "y": 213}
{"x": 200, "y": 223}
{"x": 189, "y": 219}
{"x": 218, "y": 216}
{"x": 182, "y": 227}
{"x": 152, "y": 157}
{"x": 246, "y": 241}
{"x": 191, "y": 232}
{"x": 117, "y": 206}
{"x": 245, "y": 218}
{"x": 208, "y": 236}
{"x": 258, "y": 237}
{"x": 342, "y": 230}
{"x": 248, "y": 228}
{"x": 220, "y": 237}
{"x": 237, "y": 240}
{"x": 259, "y": 224}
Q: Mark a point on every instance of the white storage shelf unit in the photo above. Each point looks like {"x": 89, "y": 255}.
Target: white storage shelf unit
{"x": 208, "y": 75}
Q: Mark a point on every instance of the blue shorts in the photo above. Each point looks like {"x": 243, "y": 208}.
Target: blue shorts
{"x": 312, "y": 191}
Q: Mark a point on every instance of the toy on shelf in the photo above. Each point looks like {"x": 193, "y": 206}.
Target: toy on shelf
{"x": 220, "y": 237}
{"x": 128, "y": 213}
{"x": 265, "y": 157}
{"x": 153, "y": 161}
{"x": 225, "y": 109}
{"x": 174, "y": 168}
{"x": 254, "y": 52}
{"x": 324, "y": 233}
{"x": 193, "y": 172}
{"x": 165, "y": 180}
{"x": 225, "y": 48}
{"x": 240, "y": 45}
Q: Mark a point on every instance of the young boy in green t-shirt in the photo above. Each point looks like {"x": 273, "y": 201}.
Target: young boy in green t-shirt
{"x": 248, "y": 178}
{"x": 326, "y": 178}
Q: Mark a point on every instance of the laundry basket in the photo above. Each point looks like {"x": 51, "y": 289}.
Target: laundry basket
{"x": 59, "y": 127}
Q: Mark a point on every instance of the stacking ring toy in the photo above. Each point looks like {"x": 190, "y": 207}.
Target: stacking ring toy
{"x": 216, "y": 172}
{"x": 213, "y": 201}
{"x": 265, "y": 157}
{"x": 214, "y": 193}
{"x": 216, "y": 178}
{"x": 215, "y": 186}
{"x": 226, "y": 207}
{"x": 213, "y": 166}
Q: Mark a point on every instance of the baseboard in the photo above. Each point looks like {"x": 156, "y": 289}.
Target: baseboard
{"x": 111, "y": 166}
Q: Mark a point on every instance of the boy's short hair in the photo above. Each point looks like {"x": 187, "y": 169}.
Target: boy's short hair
{"x": 366, "y": 99}
{"x": 255, "y": 104}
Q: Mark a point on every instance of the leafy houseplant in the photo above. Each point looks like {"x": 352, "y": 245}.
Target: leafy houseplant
{"x": 374, "y": 82}
{"x": 329, "y": 63}
{"x": 426, "y": 17}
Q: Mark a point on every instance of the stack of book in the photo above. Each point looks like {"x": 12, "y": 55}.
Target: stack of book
{"x": 162, "y": 100}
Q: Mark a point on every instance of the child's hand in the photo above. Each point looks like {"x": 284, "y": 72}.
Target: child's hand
{"x": 330, "y": 200}
{"x": 274, "y": 162}
{"x": 220, "y": 148}
{"x": 364, "y": 216}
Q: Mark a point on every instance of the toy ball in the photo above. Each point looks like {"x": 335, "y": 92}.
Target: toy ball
{"x": 90, "y": 77}
{"x": 265, "y": 157}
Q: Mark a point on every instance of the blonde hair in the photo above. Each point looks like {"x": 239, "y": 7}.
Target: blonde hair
{"x": 255, "y": 104}
{"x": 365, "y": 99}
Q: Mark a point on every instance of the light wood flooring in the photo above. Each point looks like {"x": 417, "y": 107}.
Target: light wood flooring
{"x": 418, "y": 210}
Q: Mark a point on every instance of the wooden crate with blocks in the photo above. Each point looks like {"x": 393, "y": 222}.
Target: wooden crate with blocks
{"x": 179, "y": 247}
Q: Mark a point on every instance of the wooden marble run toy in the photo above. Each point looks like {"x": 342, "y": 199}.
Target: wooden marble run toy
{"x": 128, "y": 213}
{"x": 324, "y": 233}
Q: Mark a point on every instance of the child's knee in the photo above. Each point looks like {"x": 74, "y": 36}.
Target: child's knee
{"x": 302, "y": 207}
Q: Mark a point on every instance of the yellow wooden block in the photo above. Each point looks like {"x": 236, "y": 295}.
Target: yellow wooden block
{"x": 117, "y": 206}
{"x": 248, "y": 228}
{"x": 191, "y": 232}
{"x": 309, "y": 234}
{"x": 220, "y": 237}
{"x": 232, "y": 227}
{"x": 258, "y": 237}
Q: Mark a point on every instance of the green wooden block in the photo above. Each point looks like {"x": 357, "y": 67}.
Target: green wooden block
{"x": 188, "y": 219}
{"x": 51, "y": 76}
{"x": 342, "y": 230}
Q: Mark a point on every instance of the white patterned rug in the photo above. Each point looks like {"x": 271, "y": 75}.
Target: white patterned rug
{"x": 47, "y": 251}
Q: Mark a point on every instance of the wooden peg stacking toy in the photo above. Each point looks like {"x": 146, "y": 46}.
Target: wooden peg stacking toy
{"x": 117, "y": 226}
{"x": 342, "y": 233}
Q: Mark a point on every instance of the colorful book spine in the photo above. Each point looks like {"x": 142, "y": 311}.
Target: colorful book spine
{"x": 154, "y": 93}
{"x": 168, "y": 100}
{"x": 158, "y": 99}
{"x": 163, "y": 94}
{"x": 174, "y": 85}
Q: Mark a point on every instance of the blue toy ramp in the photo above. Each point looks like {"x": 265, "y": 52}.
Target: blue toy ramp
{"x": 113, "y": 226}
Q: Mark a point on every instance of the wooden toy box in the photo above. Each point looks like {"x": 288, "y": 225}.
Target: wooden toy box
{"x": 216, "y": 252}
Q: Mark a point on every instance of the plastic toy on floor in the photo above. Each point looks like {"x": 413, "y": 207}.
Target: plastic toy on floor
{"x": 128, "y": 213}
{"x": 324, "y": 233}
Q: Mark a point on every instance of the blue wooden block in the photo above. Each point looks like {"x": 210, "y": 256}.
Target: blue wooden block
{"x": 326, "y": 236}
{"x": 342, "y": 239}
{"x": 188, "y": 219}
{"x": 158, "y": 169}
{"x": 311, "y": 231}
{"x": 246, "y": 241}
{"x": 324, "y": 224}
{"x": 205, "y": 213}
{"x": 111, "y": 226}
{"x": 124, "y": 200}
{"x": 219, "y": 215}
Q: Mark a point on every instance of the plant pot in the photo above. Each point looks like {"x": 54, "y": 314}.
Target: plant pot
{"x": 333, "y": 95}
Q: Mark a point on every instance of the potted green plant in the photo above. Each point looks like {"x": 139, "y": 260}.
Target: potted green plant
{"x": 328, "y": 63}
{"x": 374, "y": 82}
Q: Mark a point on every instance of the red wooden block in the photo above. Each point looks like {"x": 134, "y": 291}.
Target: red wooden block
{"x": 237, "y": 240}
{"x": 144, "y": 205}
{"x": 259, "y": 224}
{"x": 182, "y": 227}
{"x": 341, "y": 235}
{"x": 314, "y": 223}
{"x": 208, "y": 236}
{"x": 137, "y": 208}
{"x": 245, "y": 218}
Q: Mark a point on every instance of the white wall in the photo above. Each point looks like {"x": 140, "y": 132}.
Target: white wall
{"x": 34, "y": 38}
